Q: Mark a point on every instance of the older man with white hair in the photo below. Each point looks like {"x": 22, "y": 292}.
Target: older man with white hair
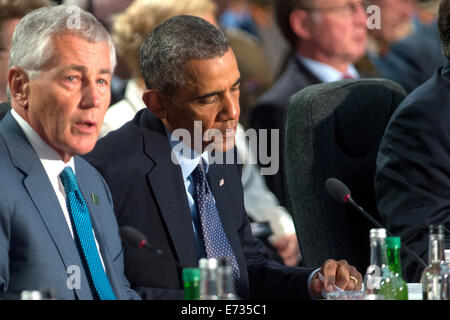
{"x": 57, "y": 226}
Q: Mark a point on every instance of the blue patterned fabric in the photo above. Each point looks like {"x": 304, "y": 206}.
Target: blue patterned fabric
{"x": 214, "y": 237}
{"x": 82, "y": 226}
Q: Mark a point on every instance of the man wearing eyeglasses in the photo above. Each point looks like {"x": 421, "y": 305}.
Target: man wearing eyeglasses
{"x": 327, "y": 37}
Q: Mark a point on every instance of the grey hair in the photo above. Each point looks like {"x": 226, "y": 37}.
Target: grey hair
{"x": 166, "y": 51}
{"x": 31, "y": 45}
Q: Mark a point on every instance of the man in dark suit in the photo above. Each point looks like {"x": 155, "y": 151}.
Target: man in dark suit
{"x": 177, "y": 190}
{"x": 4, "y": 108}
{"x": 413, "y": 166}
{"x": 58, "y": 231}
{"x": 326, "y": 37}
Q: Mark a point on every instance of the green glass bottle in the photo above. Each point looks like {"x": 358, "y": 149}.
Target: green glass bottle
{"x": 399, "y": 286}
{"x": 377, "y": 281}
{"x": 191, "y": 280}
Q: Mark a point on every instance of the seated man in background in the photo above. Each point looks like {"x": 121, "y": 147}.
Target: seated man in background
{"x": 129, "y": 31}
{"x": 182, "y": 196}
{"x": 57, "y": 230}
{"x": 404, "y": 48}
{"x": 327, "y": 37}
{"x": 412, "y": 179}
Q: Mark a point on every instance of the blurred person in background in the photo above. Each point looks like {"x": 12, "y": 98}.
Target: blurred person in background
{"x": 11, "y": 11}
{"x": 259, "y": 24}
{"x": 327, "y": 38}
{"x": 257, "y": 59}
{"x": 274, "y": 44}
{"x": 396, "y": 23}
{"x": 103, "y": 10}
{"x": 428, "y": 11}
{"x": 237, "y": 16}
{"x": 406, "y": 48}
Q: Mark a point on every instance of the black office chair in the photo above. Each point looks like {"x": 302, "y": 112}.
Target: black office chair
{"x": 334, "y": 130}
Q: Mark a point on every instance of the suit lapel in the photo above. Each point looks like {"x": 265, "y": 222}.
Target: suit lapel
{"x": 304, "y": 73}
{"x": 4, "y": 108}
{"x": 44, "y": 198}
{"x": 170, "y": 197}
{"x": 444, "y": 71}
{"x": 41, "y": 192}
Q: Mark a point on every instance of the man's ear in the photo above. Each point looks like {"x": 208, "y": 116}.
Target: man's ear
{"x": 154, "y": 100}
{"x": 301, "y": 23}
{"x": 19, "y": 86}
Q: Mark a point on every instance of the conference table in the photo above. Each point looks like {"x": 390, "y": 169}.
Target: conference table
{"x": 414, "y": 293}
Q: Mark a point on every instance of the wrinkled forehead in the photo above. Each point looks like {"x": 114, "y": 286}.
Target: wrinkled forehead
{"x": 68, "y": 49}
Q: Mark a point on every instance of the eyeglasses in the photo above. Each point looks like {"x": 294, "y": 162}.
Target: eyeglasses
{"x": 348, "y": 9}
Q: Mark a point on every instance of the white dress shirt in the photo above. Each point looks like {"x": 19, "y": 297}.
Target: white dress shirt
{"x": 325, "y": 72}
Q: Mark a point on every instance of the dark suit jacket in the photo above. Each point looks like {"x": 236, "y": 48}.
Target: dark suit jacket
{"x": 4, "y": 108}
{"x": 36, "y": 247}
{"x": 149, "y": 195}
{"x": 268, "y": 113}
{"x": 412, "y": 178}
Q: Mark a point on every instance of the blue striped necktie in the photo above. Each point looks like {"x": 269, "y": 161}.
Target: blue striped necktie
{"x": 84, "y": 236}
{"x": 214, "y": 237}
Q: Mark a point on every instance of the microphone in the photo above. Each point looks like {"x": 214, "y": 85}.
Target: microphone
{"x": 340, "y": 192}
{"x": 136, "y": 239}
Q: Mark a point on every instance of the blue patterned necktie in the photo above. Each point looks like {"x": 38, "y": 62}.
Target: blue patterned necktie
{"x": 81, "y": 223}
{"x": 214, "y": 237}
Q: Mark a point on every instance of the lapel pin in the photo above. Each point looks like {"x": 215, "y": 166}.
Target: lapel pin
{"x": 221, "y": 182}
{"x": 94, "y": 198}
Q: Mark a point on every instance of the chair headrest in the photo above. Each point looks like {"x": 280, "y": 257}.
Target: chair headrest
{"x": 353, "y": 112}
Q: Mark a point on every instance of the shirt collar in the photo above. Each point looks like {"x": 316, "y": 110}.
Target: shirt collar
{"x": 52, "y": 162}
{"x": 186, "y": 157}
{"x": 325, "y": 72}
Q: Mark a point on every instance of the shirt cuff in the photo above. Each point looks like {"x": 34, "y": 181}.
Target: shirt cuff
{"x": 312, "y": 296}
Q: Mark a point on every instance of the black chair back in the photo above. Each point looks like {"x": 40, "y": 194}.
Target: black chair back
{"x": 334, "y": 130}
